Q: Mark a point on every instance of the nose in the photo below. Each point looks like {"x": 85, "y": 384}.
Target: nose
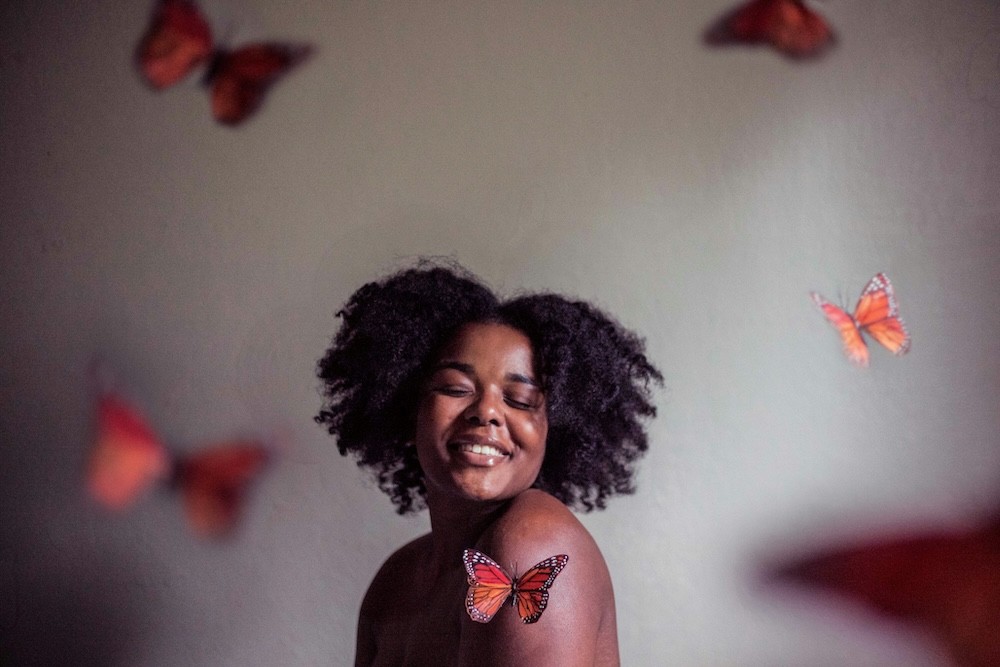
{"x": 485, "y": 410}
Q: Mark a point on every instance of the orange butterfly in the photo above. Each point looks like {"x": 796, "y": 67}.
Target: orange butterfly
{"x": 787, "y": 25}
{"x": 490, "y": 586}
{"x": 877, "y": 314}
{"x": 947, "y": 581}
{"x": 127, "y": 459}
{"x": 179, "y": 39}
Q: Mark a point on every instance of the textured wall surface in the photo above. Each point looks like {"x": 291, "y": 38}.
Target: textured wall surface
{"x": 594, "y": 148}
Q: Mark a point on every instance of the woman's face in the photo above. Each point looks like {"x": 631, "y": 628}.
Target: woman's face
{"x": 481, "y": 423}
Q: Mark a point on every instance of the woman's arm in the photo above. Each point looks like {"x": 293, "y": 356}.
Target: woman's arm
{"x": 365, "y": 650}
{"x": 577, "y": 627}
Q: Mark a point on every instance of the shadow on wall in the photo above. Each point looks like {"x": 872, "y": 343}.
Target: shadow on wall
{"x": 57, "y": 609}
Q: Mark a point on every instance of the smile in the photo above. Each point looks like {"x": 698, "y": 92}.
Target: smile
{"x": 485, "y": 450}
{"x": 478, "y": 450}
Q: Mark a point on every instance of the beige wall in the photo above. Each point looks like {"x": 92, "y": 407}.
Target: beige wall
{"x": 594, "y": 148}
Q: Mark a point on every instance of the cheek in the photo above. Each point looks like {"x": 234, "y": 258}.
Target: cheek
{"x": 433, "y": 414}
{"x": 533, "y": 432}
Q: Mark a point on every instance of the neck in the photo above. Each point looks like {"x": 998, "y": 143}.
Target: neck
{"x": 457, "y": 525}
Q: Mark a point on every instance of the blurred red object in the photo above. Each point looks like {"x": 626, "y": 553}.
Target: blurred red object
{"x": 949, "y": 582}
{"x": 239, "y": 79}
{"x": 787, "y": 25}
{"x": 127, "y": 459}
{"x": 179, "y": 40}
{"x": 214, "y": 484}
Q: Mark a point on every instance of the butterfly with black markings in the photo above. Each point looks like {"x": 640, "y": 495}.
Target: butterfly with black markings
{"x": 490, "y": 586}
{"x": 877, "y": 314}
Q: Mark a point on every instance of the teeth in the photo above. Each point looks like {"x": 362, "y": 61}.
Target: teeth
{"x": 487, "y": 450}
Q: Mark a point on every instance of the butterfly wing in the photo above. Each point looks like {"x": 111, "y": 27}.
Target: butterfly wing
{"x": 489, "y": 586}
{"x": 239, "y": 79}
{"x": 850, "y": 335}
{"x": 178, "y": 40}
{"x": 949, "y": 582}
{"x": 531, "y": 591}
{"x": 214, "y": 484}
{"x": 127, "y": 457}
{"x": 787, "y": 25}
{"x": 877, "y": 314}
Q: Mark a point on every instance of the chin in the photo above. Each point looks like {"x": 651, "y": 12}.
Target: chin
{"x": 478, "y": 492}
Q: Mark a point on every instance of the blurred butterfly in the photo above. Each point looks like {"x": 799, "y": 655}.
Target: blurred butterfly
{"x": 877, "y": 314}
{"x": 127, "y": 459}
{"x": 947, "y": 581}
{"x": 490, "y": 587}
{"x": 179, "y": 40}
{"x": 787, "y": 25}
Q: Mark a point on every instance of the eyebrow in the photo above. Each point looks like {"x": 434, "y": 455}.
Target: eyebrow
{"x": 469, "y": 370}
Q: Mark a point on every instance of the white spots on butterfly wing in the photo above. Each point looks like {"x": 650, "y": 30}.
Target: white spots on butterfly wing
{"x": 534, "y": 600}
{"x": 878, "y": 288}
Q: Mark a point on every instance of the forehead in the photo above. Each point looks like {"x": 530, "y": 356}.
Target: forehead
{"x": 489, "y": 343}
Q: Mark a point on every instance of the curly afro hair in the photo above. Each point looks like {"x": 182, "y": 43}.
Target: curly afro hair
{"x": 594, "y": 373}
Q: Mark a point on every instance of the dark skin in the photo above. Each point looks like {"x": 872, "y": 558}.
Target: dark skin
{"x": 480, "y": 437}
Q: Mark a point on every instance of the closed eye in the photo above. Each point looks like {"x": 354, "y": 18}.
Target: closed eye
{"x": 451, "y": 390}
{"x": 520, "y": 405}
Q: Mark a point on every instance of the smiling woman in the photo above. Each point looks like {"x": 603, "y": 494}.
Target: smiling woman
{"x": 481, "y": 424}
{"x": 497, "y": 416}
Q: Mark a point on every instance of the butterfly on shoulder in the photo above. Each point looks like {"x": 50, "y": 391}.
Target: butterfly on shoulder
{"x": 179, "y": 39}
{"x": 877, "y": 314}
{"x": 787, "y": 25}
{"x": 128, "y": 458}
{"x": 490, "y": 586}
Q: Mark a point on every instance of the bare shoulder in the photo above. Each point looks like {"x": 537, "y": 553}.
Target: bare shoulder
{"x": 398, "y": 567}
{"x": 577, "y": 626}
{"x": 386, "y": 609}
{"x": 536, "y": 526}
